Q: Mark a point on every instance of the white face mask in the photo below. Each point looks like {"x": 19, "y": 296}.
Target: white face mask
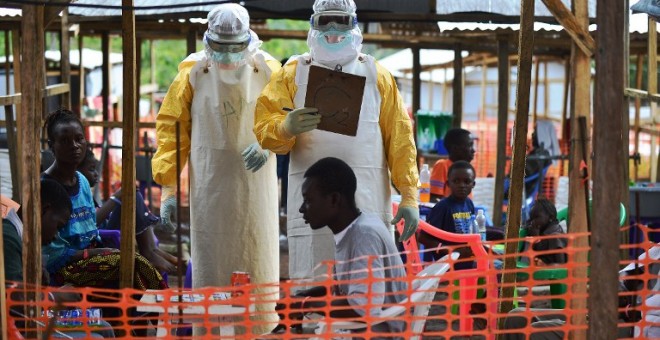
{"x": 334, "y": 47}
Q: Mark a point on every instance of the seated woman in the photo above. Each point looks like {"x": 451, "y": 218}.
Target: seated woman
{"x": 108, "y": 216}
{"x": 75, "y": 256}
{"x": 55, "y": 212}
{"x": 543, "y": 222}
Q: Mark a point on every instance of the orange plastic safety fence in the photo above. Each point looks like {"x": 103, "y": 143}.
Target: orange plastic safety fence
{"x": 426, "y": 305}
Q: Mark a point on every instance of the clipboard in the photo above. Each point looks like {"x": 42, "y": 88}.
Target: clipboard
{"x": 338, "y": 97}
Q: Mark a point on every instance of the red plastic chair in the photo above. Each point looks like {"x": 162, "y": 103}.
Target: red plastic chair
{"x": 468, "y": 278}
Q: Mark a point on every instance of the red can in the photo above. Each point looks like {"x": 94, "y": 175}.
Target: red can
{"x": 239, "y": 279}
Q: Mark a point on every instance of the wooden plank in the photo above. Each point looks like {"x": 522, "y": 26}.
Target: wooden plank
{"x": 572, "y": 25}
{"x": 514, "y": 213}
{"x": 32, "y": 46}
{"x": 12, "y": 99}
{"x": 638, "y": 106}
{"x": 503, "y": 72}
{"x": 636, "y": 93}
{"x": 114, "y": 125}
{"x": 580, "y": 107}
{"x": 129, "y": 142}
{"x": 604, "y": 283}
{"x": 457, "y": 95}
{"x": 52, "y": 12}
{"x": 65, "y": 62}
{"x": 105, "y": 95}
{"x": 55, "y": 89}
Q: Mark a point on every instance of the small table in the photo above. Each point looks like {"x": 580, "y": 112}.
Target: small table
{"x": 220, "y": 307}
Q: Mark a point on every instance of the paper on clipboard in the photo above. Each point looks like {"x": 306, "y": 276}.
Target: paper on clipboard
{"x": 338, "y": 97}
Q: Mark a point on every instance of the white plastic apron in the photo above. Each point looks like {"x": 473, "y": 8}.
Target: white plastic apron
{"x": 233, "y": 211}
{"x": 364, "y": 153}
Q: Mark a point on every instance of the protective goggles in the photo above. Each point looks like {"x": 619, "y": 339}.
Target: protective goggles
{"x": 228, "y": 47}
{"x": 338, "y": 20}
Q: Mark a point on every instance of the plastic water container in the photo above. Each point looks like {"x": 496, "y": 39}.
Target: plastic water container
{"x": 425, "y": 179}
{"x": 481, "y": 223}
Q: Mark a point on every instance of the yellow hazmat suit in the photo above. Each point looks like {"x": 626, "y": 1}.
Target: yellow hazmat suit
{"x": 384, "y": 144}
{"x": 233, "y": 211}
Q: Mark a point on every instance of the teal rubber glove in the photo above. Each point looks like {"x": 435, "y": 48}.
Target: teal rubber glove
{"x": 410, "y": 215}
{"x": 301, "y": 120}
{"x": 167, "y": 209}
{"x": 254, "y": 157}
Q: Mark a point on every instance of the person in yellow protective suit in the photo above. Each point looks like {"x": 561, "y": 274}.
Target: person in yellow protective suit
{"x": 233, "y": 183}
{"x": 383, "y": 144}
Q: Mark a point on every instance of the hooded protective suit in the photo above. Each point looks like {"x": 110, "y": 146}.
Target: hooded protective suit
{"x": 233, "y": 211}
{"x": 384, "y": 142}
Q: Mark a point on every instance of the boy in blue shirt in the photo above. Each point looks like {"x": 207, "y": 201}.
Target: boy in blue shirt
{"x": 453, "y": 213}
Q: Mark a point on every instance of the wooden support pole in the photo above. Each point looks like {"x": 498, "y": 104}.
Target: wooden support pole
{"x": 638, "y": 106}
{"x": 416, "y": 84}
{"x": 608, "y": 158}
{"x": 16, "y": 54}
{"x": 572, "y": 25}
{"x": 32, "y": 48}
{"x": 577, "y": 213}
{"x": 546, "y": 92}
{"x": 653, "y": 88}
{"x": 482, "y": 103}
{"x": 129, "y": 144}
{"x": 65, "y": 62}
{"x": 105, "y": 95}
{"x": 152, "y": 76}
{"x": 537, "y": 67}
{"x": 7, "y": 64}
{"x": 624, "y": 197}
{"x": 457, "y": 106}
{"x": 564, "y": 114}
{"x": 3, "y": 294}
{"x": 81, "y": 72}
{"x": 502, "y": 119}
{"x": 514, "y": 213}
{"x": 191, "y": 42}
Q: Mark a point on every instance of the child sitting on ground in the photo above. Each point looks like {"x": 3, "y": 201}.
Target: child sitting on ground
{"x": 108, "y": 216}
{"x": 453, "y": 213}
{"x": 543, "y": 222}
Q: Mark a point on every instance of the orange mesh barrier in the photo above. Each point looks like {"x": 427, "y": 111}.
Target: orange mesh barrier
{"x": 425, "y": 307}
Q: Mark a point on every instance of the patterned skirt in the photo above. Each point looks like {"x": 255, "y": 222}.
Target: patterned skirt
{"x": 103, "y": 271}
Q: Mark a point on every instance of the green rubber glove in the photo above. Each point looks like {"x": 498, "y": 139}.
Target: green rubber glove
{"x": 410, "y": 215}
{"x": 301, "y": 120}
{"x": 167, "y": 208}
{"x": 254, "y": 157}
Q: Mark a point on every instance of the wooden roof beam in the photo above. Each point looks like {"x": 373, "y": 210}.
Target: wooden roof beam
{"x": 52, "y": 12}
{"x": 579, "y": 34}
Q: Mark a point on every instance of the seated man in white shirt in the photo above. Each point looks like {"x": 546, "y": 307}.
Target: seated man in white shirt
{"x": 363, "y": 248}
